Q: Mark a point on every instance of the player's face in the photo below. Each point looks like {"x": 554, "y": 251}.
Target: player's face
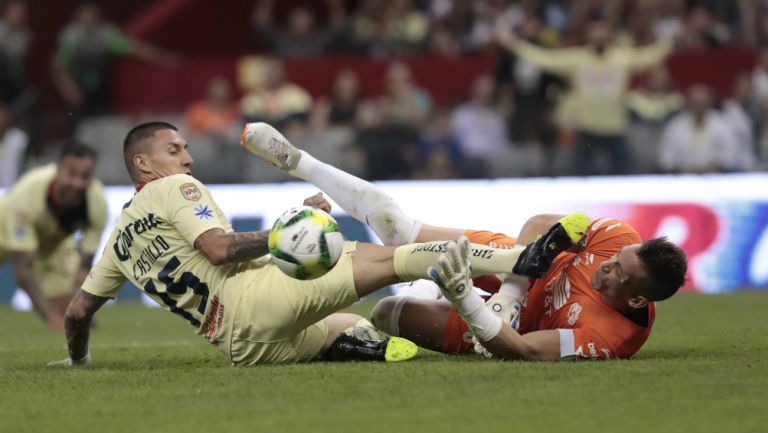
{"x": 619, "y": 277}
{"x": 599, "y": 36}
{"x": 168, "y": 155}
{"x": 73, "y": 177}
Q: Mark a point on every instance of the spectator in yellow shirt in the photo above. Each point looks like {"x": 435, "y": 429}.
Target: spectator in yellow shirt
{"x": 599, "y": 75}
{"x": 277, "y": 101}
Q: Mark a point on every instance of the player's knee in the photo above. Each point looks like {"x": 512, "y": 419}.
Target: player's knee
{"x": 541, "y": 219}
{"x": 535, "y": 226}
{"x": 386, "y": 314}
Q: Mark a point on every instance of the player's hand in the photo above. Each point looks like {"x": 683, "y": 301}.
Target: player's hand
{"x": 507, "y": 307}
{"x": 454, "y": 273}
{"x": 318, "y": 201}
{"x": 69, "y": 362}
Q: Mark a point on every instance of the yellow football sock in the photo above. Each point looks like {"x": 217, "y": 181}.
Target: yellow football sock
{"x": 413, "y": 260}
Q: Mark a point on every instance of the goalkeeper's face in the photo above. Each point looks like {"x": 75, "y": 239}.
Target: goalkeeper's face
{"x": 621, "y": 279}
{"x": 168, "y": 155}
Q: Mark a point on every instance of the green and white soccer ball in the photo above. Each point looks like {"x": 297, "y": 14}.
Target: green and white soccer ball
{"x": 305, "y": 243}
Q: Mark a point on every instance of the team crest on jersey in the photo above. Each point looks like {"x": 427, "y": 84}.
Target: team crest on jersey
{"x": 573, "y": 313}
{"x": 190, "y": 191}
{"x": 20, "y": 221}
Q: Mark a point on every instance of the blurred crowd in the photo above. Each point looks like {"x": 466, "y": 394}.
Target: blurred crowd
{"x": 579, "y": 87}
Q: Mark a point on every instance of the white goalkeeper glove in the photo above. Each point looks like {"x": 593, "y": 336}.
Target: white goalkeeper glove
{"x": 454, "y": 273}
{"x": 507, "y": 307}
{"x": 454, "y": 277}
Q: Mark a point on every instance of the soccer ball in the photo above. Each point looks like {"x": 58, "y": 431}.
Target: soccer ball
{"x": 305, "y": 243}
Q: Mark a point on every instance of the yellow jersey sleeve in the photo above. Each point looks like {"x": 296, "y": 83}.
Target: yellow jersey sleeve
{"x": 105, "y": 278}
{"x": 18, "y": 230}
{"x": 638, "y": 59}
{"x": 23, "y": 205}
{"x": 191, "y": 209}
{"x": 97, "y": 219}
{"x": 561, "y": 61}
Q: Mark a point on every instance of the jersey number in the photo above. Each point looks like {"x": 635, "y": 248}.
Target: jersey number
{"x": 187, "y": 281}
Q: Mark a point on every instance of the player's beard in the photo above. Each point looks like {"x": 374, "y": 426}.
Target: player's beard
{"x": 68, "y": 197}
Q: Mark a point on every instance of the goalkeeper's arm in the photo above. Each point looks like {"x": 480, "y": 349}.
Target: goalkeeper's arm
{"x": 539, "y": 345}
{"x": 453, "y": 275}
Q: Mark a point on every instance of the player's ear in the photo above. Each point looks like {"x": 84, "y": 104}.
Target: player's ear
{"x": 638, "y": 301}
{"x": 141, "y": 163}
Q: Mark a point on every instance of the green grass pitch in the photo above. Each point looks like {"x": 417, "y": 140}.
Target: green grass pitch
{"x": 703, "y": 370}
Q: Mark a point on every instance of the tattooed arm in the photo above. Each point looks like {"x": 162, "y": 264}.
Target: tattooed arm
{"x": 77, "y": 326}
{"x": 221, "y": 248}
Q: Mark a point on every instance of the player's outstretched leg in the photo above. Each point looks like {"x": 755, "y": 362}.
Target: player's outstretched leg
{"x": 362, "y": 200}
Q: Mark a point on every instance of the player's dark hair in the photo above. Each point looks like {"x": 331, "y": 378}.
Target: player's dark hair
{"x": 138, "y": 136}
{"x": 77, "y": 149}
{"x": 666, "y": 265}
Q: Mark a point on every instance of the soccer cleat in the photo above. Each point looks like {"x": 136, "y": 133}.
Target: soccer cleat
{"x": 268, "y": 143}
{"x": 399, "y": 349}
{"x": 575, "y": 226}
{"x": 348, "y": 347}
{"x": 537, "y": 257}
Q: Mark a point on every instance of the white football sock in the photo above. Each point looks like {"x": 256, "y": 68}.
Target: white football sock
{"x": 515, "y": 287}
{"x": 364, "y": 201}
{"x": 420, "y": 289}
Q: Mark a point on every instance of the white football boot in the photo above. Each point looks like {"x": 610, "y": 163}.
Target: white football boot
{"x": 268, "y": 143}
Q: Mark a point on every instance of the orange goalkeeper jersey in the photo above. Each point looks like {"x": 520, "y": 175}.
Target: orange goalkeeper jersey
{"x": 564, "y": 298}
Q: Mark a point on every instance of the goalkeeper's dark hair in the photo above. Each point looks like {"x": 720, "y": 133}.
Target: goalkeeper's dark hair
{"x": 136, "y": 140}
{"x": 77, "y": 149}
{"x": 666, "y": 265}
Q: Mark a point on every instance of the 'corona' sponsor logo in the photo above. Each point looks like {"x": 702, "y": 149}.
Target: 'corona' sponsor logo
{"x": 124, "y": 237}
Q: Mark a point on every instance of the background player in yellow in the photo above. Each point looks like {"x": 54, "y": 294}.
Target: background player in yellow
{"x": 173, "y": 242}
{"x": 39, "y": 217}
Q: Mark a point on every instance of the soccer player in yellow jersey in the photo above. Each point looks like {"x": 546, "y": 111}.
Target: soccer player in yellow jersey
{"x": 174, "y": 243}
{"x": 39, "y": 217}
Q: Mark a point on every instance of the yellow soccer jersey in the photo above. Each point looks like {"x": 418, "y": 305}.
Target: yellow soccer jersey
{"x": 152, "y": 245}
{"x": 27, "y": 223}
